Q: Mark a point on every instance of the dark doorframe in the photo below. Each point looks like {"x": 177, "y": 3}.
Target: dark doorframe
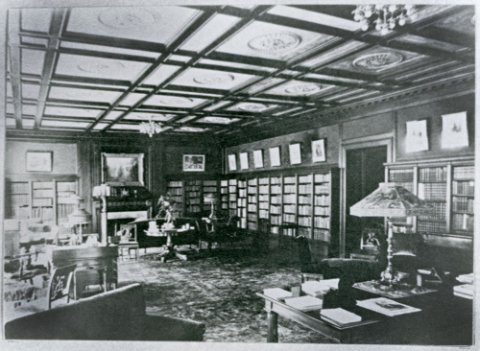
{"x": 375, "y": 143}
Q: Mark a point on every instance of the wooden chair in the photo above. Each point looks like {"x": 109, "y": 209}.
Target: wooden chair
{"x": 60, "y": 284}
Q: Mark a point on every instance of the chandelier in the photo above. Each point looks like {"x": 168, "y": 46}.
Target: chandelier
{"x": 384, "y": 18}
{"x": 151, "y": 128}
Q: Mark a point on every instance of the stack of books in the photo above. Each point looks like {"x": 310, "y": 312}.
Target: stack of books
{"x": 387, "y": 307}
{"x": 305, "y": 303}
{"x": 464, "y": 290}
{"x": 339, "y": 317}
{"x": 319, "y": 288}
{"x": 465, "y": 278}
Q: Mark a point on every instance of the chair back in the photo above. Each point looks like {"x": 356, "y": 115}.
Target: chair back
{"x": 60, "y": 283}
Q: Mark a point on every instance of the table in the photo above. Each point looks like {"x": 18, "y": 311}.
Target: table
{"x": 444, "y": 320}
{"x": 169, "y": 248}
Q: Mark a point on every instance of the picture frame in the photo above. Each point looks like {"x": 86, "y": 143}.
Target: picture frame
{"x": 232, "y": 162}
{"x": 416, "y": 136}
{"x": 243, "y": 160}
{"x": 258, "y": 158}
{"x": 454, "y": 130}
{"x": 295, "y": 153}
{"x": 193, "y": 163}
{"x": 274, "y": 153}
{"x": 122, "y": 168}
{"x": 318, "y": 151}
{"x": 39, "y": 161}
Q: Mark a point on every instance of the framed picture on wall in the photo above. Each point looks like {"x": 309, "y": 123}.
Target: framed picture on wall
{"x": 258, "y": 158}
{"x": 417, "y": 137}
{"x": 193, "y": 163}
{"x": 122, "y": 169}
{"x": 295, "y": 154}
{"x": 232, "y": 162}
{"x": 454, "y": 130}
{"x": 243, "y": 160}
{"x": 274, "y": 153}
{"x": 318, "y": 151}
{"x": 39, "y": 161}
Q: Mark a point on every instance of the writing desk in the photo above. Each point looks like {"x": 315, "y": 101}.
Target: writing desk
{"x": 444, "y": 320}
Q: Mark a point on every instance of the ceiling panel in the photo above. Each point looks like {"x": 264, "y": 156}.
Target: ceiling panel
{"x": 32, "y": 61}
{"x": 68, "y": 111}
{"x": 131, "y": 99}
{"x": 96, "y": 67}
{"x": 143, "y": 116}
{"x": 160, "y": 74}
{"x": 64, "y": 124}
{"x": 30, "y": 91}
{"x": 298, "y": 88}
{"x": 217, "y": 120}
{"x": 36, "y": 20}
{"x": 83, "y": 94}
{"x": 254, "y": 107}
{"x": 107, "y": 49}
{"x": 153, "y": 24}
{"x": 174, "y": 101}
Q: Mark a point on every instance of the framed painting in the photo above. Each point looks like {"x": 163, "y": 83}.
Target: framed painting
{"x": 295, "y": 154}
{"x": 454, "y": 130}
{"x": 39, "y": 161}
{"x": 122, "y": 169}
{"x": 258, "y": 158}
{"x": 274, "y": 156}
{"x": 417, "y": 137}
{"x": 318, "y": 151}
{"x": 243, "y": 160}
{"x": 232, "y": 162}
{"x": 194, "y": 163}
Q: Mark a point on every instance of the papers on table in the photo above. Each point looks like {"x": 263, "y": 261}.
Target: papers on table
{"x": 340, "y": 317}
{"x": 277, "y": 293}
{"x": 305, "y": 303}
{"x": 319, "y": 288}
{"x": 465, "y": 278}
{"x": 387, "y": 307}
{"x": 464, "y": 290}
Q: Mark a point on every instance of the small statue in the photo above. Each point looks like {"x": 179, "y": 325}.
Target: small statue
{"x": 165, "y": 209}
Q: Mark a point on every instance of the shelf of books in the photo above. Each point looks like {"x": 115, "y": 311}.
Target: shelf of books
{"x": 209, "y": 191}
{"x": 193, "y": 197}
{"x": 463, "y": 189}
{"x": 175, "y": 192}
{"x": 275, "y": 204}
{"x": 224, "y": 194}
{"x": 263, "y": 198}
{"x": 252, "y": 207}
{"x": 232, "y": 196}
{"x": 448, "y": 185}
{"x": 322, "y": 201}
{"x": 305, "y": 195}
{"x": 242, "y": 203}
{"x": 50, "y": 199}
{"x": 289, "y": 213}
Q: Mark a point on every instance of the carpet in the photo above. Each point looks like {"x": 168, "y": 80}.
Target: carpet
{"x": 220, "y": 290}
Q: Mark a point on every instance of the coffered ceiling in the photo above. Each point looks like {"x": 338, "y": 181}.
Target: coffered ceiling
{"x": 218, "y": 70}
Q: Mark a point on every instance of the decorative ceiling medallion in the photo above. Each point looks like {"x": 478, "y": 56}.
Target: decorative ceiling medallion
{"x": 175, "y": 100}
{"x": 377, "y": 61}
{"x": 302, "y": 89}
{"x": 100, "y": 67}
{"x": 275, "y": 42}
{"x": 127, "y": 18}
{"x": 213, "y": 79}
{"x": 252, "y": 107}
{"x": 217, "y": 120}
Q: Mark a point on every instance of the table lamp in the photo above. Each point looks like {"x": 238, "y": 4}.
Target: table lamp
{"x": 390, "y": 201}
{"x": 78, "y": 218}
{"x": 210, "y": 198}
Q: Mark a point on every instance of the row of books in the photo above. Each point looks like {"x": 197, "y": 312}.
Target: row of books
{"x": 463, "y": 204}
{"x": 322, "y": 200}
{"x": 432, "y": 191}
{"x": 400, "y": 175}
{"x": 434, "y": 174}
{"x": 464, "y": 188}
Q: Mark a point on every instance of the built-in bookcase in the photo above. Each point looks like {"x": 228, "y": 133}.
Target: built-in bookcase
{"x": 263, "y": 198}
{"x": 232, "y": 196}
{"x": 275, "y": 204}
{"x": 175, "y": 192}
{"x": 224, "y": 194}
{"x": 289, "y": 213}
{"x": 242, "y": 202}
{"x": 209, "y": 191}
{"x": 193, "y": 197}
{"x": 49, "y": 199}
{"x": 305, "y": 204}
{"x": 252, "y": 206}
{"x": 447, "y": 185}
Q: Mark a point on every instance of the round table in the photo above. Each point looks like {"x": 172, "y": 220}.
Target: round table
{"x": 170, "y": 250}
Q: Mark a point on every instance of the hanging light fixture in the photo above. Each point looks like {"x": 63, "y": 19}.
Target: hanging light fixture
{"x": 151, "y": 128}
{"x": 384, "y": 18}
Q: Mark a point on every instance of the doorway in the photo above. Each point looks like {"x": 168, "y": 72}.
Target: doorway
{"x": 364, "y": 170}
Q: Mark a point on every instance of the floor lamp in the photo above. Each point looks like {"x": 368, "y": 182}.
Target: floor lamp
{"x": 390, "y": 201}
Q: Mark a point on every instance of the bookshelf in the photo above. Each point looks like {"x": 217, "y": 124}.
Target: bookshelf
{"x": 448, "y": 185}
{"x": 275, "y": 204}
{"x": 305, "y": 190}
{"x": 51, "y": 199}
{"x": 193, "y": 197}
{"x": 289, "y": 211}
{"x": 209, "y": 189}
{"x": 322, "y": 201}
{"x": 263, "y": 198}
{"x": 175, "y": 191}
{"x": 232, "y": 196}
{"x": 224, "y": 194}
{"x": 252, "y": 206}
{"x": 242, "y": 202}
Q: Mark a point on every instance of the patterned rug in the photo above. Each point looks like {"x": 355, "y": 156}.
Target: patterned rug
{"x": 219, "y": 290}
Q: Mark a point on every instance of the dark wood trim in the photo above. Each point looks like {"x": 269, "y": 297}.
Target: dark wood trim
{"x": 15, "y": 70}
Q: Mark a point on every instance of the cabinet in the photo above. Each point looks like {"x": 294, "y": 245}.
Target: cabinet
{"x": 51, "y": 199}
{"x": 448, "y": 185}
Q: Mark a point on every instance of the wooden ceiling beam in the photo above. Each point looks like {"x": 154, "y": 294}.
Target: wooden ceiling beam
{"x": 15, "y": 62}
{"x": 57, "y": 26}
